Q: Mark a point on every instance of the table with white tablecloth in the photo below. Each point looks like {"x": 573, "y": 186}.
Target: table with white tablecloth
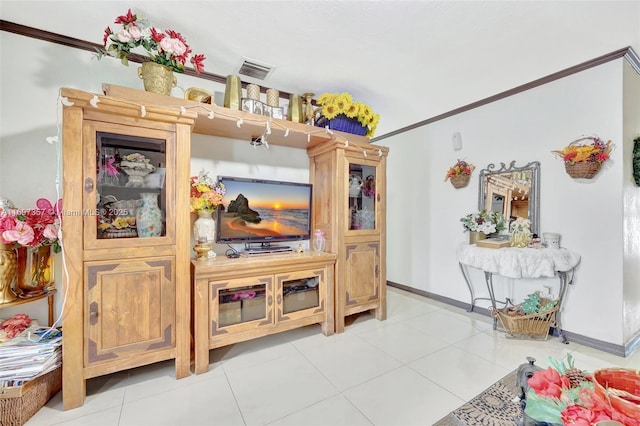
{"x": 519, "y": 263}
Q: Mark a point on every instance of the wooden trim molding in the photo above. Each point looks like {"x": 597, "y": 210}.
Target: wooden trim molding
{"x": 94, "y": 47}
{"x": 627, "y": 52}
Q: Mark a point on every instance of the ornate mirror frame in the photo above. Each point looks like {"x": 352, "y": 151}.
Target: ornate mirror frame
{"x": 507, "y": 183}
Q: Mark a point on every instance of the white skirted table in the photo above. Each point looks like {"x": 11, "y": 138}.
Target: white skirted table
{"x": 512, "y": 262}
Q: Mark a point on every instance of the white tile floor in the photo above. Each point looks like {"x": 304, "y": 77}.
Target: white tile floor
{"x": 425, "y": 360}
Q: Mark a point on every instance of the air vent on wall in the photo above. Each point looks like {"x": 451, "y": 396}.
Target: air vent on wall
{"x": 255, "y": 69}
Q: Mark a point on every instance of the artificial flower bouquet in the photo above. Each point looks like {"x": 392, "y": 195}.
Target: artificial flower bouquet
{"x": 564, "y": 394}
{"x": 461, "y": 168}
{"x": 168, "y": 48}
{"x": 483, "y": 221}
{"x": 31, "y": 228}
{"x": 335, "y": 105}
{"x": 206, "y": 194}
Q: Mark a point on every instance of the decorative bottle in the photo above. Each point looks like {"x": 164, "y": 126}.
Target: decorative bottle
{"x": 318, "y": 241}
{"x": 149, "y": 216}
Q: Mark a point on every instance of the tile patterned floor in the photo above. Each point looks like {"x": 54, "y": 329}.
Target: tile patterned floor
{"x": 425, "y": 360}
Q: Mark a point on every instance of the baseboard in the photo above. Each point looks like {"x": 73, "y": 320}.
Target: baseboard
{"x": 619, "y": 350}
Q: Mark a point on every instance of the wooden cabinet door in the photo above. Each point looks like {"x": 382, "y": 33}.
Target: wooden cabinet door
{"x": 130, "y": 308}
{"x": 362, "y": 274}
{"x": 240, "y": 305}
{"x": 300, "y": 294}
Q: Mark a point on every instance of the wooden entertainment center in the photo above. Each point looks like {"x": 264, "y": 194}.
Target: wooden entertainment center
{"x": 131, "y": 301}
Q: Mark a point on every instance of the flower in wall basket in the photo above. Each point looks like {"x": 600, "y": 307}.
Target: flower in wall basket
{"x": 31, "y": 228}
{"x": 206, "y": 194}
{"x": 564, "y": 394}
{"x": 483, "y": 221}
{"x": 460, "y": 174}
{"x": 584, "y": 157}
{"x": 340, "y": 112}
{"x": 636, "y": 160}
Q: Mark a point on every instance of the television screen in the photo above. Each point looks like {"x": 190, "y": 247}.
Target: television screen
{"x": 263, "y": 211}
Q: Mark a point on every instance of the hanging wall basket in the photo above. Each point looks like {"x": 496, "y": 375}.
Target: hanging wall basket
{"x": 585, "y": 170}
{"x": 460, "y": 181}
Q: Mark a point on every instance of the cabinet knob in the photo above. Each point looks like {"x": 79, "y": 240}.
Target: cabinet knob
{"x": 88, "y": 185}
{"x": 279, "y": 299}
{"x": 270, "y": 300}
{"x": 93, "y": 313}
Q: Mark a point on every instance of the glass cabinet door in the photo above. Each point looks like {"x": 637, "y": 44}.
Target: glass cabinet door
{"x": 241, "y": 304}
{"x": 362, "y": 196}
{"x": 301, "y": 293}
{"x": 130, "y": 186}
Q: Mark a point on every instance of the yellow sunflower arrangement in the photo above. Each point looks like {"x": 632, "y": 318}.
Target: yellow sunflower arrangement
{"x": 334, "y": 104}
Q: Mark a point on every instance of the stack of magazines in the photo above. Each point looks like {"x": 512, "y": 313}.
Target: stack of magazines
{"x": 34, "y": 352}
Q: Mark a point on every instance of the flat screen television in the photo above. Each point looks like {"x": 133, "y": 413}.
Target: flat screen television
{"x": 260, "y": 212}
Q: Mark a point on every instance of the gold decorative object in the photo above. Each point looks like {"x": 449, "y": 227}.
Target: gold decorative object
{"x": 253, "y": 91}
{"x": 202, "y": 250}
{"x": 198, "y": 95}
{"x": 309, "y": 111}
{"x": 474, "y": 236}
{"x": 295, "y": 113}
{"x": 35, "y": 271}
{"x": 8, "y": 269}
{"x": 233, "y": 92}
{"x": 273, "y": 97}
{"x": 157, "y": 78}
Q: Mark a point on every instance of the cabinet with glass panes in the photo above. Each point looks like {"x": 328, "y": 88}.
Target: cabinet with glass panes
{"x": 126, "y": 238}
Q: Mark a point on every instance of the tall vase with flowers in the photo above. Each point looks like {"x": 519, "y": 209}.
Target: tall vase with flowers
{"x": 339, "y": 112}
{"x": 33, "y": 235}
{"x": 206, "y": 196}
{"x": 167, "y": 49}
{"x": 584, "y": 159}
{"x": 482, "y": 223}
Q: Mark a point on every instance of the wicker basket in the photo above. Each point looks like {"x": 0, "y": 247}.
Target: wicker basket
{"x": 583, "y": 170}
{"x": 19, "y": 403}
{"x": 621, "y": 387}
{"x": 342, "y": 123}
{"x": 460, "y": 181}
{"x": 534, "y": 326}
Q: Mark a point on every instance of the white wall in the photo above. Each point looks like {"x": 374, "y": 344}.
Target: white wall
{"x": 631, "y": 203}
{"x": 29, "y": 166}
{"x": 423, "y": 212}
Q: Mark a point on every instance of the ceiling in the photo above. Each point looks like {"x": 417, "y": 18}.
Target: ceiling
{"x": 409, "y": 60}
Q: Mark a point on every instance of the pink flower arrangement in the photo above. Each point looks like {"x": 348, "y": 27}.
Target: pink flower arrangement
{"x": 31, "y": 228}
{"x": 167, "y": 48}
{"x": 562, "y": 394}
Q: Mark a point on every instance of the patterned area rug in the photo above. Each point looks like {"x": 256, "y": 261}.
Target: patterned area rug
{"x": 493, "y": 407}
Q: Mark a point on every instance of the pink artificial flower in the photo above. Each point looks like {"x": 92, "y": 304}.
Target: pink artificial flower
{"x": 197, "y": 61}
{"x": 129, "y": 18}
{"x": 582, "y": 416}
{"x": 135, "y": 32}
{"x": 548, "y": 383}
{"x": 50, "y": 232}
{"x": 123, "y": 36}
{"x": 22, "y": 234}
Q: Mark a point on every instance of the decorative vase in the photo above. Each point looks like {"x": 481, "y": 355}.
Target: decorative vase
{"x": 204, "y": 228}
{"x": 319, "y": 241}
{"x": 157, "y": 78}
{"x": 149, "y": 216}
{"x": 233, "y": 92}
{"x": 35, "y": 271}
{"x": 520, "y": 239}
{"x": 295, "y": 113}
{"x": 8, "y": 269}
{"x": 474, "y": 237}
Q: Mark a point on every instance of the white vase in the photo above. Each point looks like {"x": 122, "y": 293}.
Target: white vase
{"x": 204, "y": 228}
{"x": 149, "y": 216}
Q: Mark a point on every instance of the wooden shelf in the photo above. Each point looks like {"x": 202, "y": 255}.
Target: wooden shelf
{"x": 224, "y": 122}
{"x": 19, "y": 301}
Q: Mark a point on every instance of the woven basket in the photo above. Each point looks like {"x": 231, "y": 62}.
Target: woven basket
{"x": 19, "y": 403}
{"x": 621, "y": 387}
{"x": 535, "y": 326}
{"x": 583, "y": 170}
{"x": 342, "y": 123}
{"x": 460, "y": 181}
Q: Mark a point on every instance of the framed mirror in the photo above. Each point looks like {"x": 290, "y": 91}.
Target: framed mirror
{"x": 512, "y": 191}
